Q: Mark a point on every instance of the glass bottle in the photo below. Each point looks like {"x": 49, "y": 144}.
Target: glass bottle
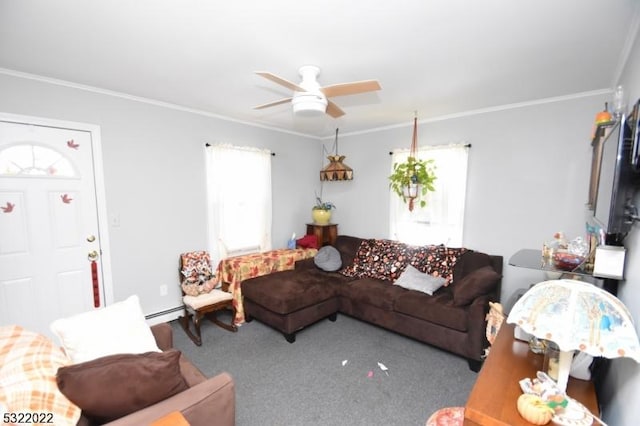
{"x": 551, "y": 364}
{"x": 618, "y": 103}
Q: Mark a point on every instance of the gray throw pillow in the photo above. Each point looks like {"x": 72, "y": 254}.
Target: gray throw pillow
{"x": 328, "y": 259}
{"x": 413, "y": 279}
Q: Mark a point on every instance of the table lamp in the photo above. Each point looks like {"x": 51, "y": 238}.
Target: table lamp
{"x": 577, "y": 316}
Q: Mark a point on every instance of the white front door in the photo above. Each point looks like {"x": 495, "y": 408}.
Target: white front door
{"x": 51, "y": 247}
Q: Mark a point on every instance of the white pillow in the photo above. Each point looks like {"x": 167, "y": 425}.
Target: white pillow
{"x": 116, "y": 329}
{"x": 413, "y": 279}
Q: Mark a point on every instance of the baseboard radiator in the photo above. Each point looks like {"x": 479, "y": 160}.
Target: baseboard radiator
{"x": 165, "y": 316}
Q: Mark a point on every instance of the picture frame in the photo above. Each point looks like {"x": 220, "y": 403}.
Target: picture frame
{"x": 602, "y": 131}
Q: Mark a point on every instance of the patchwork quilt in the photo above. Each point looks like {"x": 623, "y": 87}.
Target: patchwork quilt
{"x": 28, "y": 390}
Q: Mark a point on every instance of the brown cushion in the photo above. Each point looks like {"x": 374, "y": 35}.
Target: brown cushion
{"x": 113, "y": 386}
{"x": 285, "y": 292}
{"x": 436, "y": 309}
{"x": 373, "y": 292}
{"x": 477, "y": 283}
{"x": 347, "y": 246}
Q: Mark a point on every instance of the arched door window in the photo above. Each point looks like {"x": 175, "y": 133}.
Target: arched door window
{"x": 29, "y": 159}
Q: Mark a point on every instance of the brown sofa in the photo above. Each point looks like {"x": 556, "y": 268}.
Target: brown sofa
{"x": 209, "y": 402}
{"x": 453, "y": 318}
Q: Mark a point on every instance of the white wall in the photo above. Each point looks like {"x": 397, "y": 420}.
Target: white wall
{"x": 154, "y": 178}
{"x": 528, "y": 177}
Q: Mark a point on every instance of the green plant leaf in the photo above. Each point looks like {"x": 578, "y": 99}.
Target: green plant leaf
{"x": 422, "y": 172}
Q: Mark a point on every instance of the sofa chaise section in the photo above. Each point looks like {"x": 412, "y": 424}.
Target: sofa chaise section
{"x": 453, "y": 318}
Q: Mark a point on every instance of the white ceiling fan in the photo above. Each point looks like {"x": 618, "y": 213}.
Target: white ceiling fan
{"x": 310, "y": 99}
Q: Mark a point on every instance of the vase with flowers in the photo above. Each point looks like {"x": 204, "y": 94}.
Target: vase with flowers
{"x": 321, "y": 212}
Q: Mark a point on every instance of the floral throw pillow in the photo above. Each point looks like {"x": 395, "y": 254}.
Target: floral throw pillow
{"x": 387, "y": 260}
{"x": 380, "y": 259}
{"x": 356, "y": 269}
{"x": 438, "y": 261}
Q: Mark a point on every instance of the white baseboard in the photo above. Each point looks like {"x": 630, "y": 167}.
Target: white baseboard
{"x": 166, "y": 316}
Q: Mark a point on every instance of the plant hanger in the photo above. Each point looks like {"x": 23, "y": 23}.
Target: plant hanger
{"x": 412, "y": 187}
{"x": 412, "y": 179}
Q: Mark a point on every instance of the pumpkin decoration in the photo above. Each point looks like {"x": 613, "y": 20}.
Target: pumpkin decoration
{"x": 533, "y": 409}
{"x": 603, "y": 116}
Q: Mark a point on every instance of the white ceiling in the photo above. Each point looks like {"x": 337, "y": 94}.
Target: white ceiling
{"x": 437, "y": 57}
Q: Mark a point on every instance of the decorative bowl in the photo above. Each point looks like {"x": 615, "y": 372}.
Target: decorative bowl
{"x": 567, "y": 261}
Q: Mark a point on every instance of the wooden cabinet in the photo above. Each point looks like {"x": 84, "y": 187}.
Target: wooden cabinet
{"x": 326, "y": 234}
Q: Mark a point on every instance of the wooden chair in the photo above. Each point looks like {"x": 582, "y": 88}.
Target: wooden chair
{"x": 199, "y": 296}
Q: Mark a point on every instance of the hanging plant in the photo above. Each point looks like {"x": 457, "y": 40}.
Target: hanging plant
{"x": 413, "y": 179}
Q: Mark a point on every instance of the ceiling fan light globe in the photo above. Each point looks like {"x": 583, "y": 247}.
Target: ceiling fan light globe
{"x": 309, "y": 105}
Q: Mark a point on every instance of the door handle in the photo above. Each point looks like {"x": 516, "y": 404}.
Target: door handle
{"x": 93, "y": 255}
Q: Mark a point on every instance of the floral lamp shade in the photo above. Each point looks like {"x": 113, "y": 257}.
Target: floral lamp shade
{"x": 577, "y": 316}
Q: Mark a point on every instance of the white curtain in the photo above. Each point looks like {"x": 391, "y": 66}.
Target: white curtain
{"x": 238, "y": 200}
{"x": 441, "y": 220}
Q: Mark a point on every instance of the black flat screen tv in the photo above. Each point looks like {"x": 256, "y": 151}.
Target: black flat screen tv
{"x": 617, "y": 183}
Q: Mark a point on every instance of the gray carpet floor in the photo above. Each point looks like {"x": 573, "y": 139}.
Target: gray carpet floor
{"x": 306, "y": 383}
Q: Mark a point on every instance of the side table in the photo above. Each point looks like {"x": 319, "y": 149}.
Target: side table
{"x": 326, "y": 234}
{"x": 532, "y": 259}
{"x": 492, "y": 401}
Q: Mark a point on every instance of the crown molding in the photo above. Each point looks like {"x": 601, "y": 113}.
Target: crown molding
{"x": 141, "y": 99}
{"x": 182, "y": 108}
{"x": 480, "y": 111}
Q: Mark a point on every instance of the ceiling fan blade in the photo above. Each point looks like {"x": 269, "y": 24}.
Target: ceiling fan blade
{"x": 281, "y": 81}
{"x": 353, "y": 88}
{"x": 334, "y": 110}
{"x": 274, "y": 103}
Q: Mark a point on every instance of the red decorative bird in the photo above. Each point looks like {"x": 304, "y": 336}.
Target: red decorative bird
{"x": 65, "y": 198}
{"x": 8, "y": 208}
{"x": 72, "y": 144}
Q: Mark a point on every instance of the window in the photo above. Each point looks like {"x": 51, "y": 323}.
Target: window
{"x": 441, "y": 220}
{"x": 239, "y": 200}
{"x": 34, "y": 160}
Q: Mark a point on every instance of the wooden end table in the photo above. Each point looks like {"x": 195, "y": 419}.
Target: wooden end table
{"x": 492, "y": 401}
{"x": 326, "y": 234}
